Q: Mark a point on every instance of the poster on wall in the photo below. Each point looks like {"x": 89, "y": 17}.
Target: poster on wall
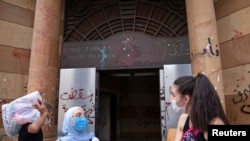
{"x": 77, "y": 88}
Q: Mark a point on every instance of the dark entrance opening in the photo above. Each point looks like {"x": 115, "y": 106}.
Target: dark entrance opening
{"x": 129, "y": 105}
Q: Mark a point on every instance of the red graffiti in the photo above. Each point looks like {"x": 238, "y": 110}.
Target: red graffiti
{"x": 75, "y": 94}
{"x": 20, "y": 54}
{"x": 237, "y": 34}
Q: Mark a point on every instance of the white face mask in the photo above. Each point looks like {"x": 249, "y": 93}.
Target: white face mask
{"x": 178, "y": 109}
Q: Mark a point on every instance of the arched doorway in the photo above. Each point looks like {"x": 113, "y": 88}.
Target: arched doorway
{"x": 95, "y": 22}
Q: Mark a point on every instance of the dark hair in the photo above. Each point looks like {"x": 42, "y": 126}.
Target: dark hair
{"x": 205, "y": 101}
{"x": 185, "y": 85}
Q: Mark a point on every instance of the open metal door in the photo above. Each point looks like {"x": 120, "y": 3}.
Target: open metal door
{"x": 168, "y": 74}
{"x": 77, "y": 88}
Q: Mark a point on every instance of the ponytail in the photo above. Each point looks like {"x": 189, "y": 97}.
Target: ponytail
{"x": 205, "y": 102}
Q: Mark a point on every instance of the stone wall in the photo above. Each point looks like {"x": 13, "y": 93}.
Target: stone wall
{"x": 16, "y": 26}
{"x": 234, "y": 36}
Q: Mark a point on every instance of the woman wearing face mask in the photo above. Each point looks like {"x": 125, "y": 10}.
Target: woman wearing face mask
{"x": 196, "y": 99}
{"x": 74, "y": 126}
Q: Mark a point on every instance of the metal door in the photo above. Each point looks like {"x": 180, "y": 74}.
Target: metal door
{"x": 168, "y": 74}
{"x": 77, "y": 88}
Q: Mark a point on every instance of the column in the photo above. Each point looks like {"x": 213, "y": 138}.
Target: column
{"x": 44, "y": 60}
{"x": 203, "y": 42}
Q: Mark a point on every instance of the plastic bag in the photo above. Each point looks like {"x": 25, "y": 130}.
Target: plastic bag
{"x": 19, "y": 112}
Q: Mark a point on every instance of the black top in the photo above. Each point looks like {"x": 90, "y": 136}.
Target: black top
{"x": 24, "y": 135}
{"x": 190, "y": 135}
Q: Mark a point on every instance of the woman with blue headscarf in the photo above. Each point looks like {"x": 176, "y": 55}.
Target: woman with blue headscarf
{"x": 74, "y": 126}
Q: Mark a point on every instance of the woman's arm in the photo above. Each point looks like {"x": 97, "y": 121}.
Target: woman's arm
{"x": 37, "y": 125}
{"x": 180, "y": 125}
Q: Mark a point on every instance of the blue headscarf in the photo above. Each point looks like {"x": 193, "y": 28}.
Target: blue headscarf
{"x": 70, "y": 133}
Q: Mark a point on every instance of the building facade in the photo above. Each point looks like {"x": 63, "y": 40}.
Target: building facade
{"x": 34, "y": 34}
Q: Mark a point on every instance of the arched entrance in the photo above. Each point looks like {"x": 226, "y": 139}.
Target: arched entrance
{"x": 128, "y": 42}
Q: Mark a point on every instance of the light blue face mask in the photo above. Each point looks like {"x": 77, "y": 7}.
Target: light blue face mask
{"x": 81, "y": 123}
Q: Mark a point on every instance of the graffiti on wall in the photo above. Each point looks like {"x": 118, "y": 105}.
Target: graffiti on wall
{"x": 209, "y": 50}
{"x": 242, "y": 97}
{"x": 76, "y": 94}
{"x": 175, "y": 48}
{"x": 130, "y": 50}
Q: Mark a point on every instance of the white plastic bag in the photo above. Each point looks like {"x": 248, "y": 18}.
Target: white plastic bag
{"x": 95, "y": 139}
{"x": 19, "y": 112}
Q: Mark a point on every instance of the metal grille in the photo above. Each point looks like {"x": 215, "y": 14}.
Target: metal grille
{"x": 90, "y": 20}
